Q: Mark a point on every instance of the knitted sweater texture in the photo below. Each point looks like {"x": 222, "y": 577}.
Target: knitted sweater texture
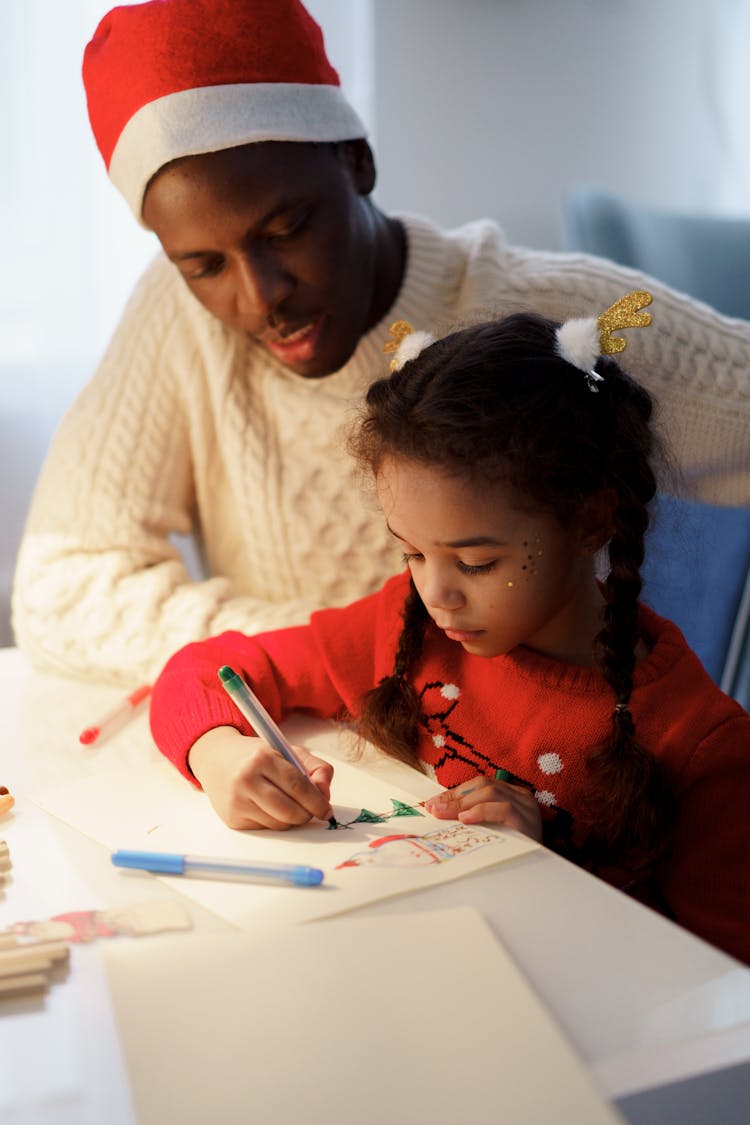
{"x": 529, "y": 714}
{"x": 188, "y": 428}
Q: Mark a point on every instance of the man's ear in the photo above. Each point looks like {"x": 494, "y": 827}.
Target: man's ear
{"x": 360, "y": 162}
{"x": 596, "y": 520}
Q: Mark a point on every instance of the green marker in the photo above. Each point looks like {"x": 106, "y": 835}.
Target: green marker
{"x": 251, "y": 707}
{"x": 505, "y": 775}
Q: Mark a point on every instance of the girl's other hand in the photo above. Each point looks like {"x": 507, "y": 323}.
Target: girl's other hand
{"x": 252, "y": 786}
{"x": 484, "y": 800}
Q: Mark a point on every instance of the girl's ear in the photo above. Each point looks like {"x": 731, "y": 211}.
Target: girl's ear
{"x": 596, "y": 520}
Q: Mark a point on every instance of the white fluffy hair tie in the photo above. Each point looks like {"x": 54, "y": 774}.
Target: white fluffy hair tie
{"x": 406, "y": 344}
{"x": 581, "y": 340}
{"x": 578, "y": 344}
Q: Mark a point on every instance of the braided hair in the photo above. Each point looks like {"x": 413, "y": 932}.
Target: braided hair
{"x": 495, "y": 403}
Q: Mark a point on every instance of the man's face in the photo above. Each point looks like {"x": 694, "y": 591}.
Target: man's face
{"x": 278, "y": 241}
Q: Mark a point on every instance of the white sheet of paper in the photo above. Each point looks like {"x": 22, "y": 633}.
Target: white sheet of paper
{"x": 413, "y": 1018}
{"x": 153, "y": 808}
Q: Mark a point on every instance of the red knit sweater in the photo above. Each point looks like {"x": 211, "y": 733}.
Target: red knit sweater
{"x": 524, "y": 712}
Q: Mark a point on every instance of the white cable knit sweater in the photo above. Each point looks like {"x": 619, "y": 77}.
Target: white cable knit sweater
{"x": 187, "y": 426}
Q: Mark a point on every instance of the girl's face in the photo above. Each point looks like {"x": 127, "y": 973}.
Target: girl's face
{"x": 492, "y": 575}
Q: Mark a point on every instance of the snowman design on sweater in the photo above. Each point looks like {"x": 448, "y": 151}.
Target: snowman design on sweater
{"x": 452, "y": 751}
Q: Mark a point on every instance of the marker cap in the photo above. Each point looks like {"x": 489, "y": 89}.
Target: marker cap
{"x": 162, "y": 863}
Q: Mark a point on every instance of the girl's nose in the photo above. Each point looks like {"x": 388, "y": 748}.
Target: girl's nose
{"x": 438, "y": 591}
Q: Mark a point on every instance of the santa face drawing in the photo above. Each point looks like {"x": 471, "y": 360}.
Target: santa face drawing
{"x": 416, "y": 851}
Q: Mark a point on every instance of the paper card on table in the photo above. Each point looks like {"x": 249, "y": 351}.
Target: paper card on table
{"x": 389, "y": 846}
{"x": 414, "y": 1017}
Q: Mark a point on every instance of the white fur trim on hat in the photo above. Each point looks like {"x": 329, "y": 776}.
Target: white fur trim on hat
{"x": 210, "y": 118}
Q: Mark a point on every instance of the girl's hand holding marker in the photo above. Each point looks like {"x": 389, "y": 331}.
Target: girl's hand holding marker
{"x": 259, "y": 782}
{"x": 490, "y": 800}
{"x": 251, "y": 786}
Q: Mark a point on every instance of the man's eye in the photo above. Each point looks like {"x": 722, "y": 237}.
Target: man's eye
{"x": 289, "y": 229}
{"x": 209, "y": 268}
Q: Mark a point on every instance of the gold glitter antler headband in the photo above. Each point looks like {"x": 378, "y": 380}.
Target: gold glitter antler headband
{"x": 623, "y": 314}
{"x": 581, "y": 341}
{"x": 405, "y": 344}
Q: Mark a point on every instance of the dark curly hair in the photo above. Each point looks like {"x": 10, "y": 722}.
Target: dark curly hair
{"x": 496, "y": 403}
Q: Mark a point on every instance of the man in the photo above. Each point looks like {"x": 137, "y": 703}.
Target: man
{"x": 220, "y": 408}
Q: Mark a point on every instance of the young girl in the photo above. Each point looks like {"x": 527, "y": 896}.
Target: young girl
{"x": 505, "y": 457}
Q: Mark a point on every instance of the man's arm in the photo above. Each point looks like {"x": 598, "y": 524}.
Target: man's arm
{"x": 100, "y": 590}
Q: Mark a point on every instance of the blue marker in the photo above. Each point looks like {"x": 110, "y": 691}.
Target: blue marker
{"x": 253, "y": 710}
{"x": 205, "y": 867}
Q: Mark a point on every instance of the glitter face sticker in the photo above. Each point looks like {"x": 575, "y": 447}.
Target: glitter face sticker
{"x": 534, "y": 551}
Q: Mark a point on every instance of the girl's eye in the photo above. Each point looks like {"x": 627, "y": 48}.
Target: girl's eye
{"x": 484, "y": 568}
{"x": 410, "y": 558}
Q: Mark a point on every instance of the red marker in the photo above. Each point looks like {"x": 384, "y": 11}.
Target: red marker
{"x": 117, "y": 716}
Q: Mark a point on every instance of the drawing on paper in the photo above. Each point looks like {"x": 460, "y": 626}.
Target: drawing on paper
{"x": 150, "y": 917}
{"x": 411, "y": 850}
{"x": 364, "y": 816}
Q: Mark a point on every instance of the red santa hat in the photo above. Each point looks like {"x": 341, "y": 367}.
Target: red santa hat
{"x": 172, "y": 78}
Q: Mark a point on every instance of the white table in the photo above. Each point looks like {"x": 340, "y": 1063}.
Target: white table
{"x": 662, "y": 1019}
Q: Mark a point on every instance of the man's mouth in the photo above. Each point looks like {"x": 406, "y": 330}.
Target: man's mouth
{"x": 297, "y": 346}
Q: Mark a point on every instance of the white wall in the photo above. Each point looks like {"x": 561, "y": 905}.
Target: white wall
{"x": 70, "y": 251}
{"x": 349, "y": 33}
{"x": 493, "y": 107}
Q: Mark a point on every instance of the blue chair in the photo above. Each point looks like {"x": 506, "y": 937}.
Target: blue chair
{"x": 697, "y": 573}
{"x": 697, "y": 569}
{"x": 706, "y": 256}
